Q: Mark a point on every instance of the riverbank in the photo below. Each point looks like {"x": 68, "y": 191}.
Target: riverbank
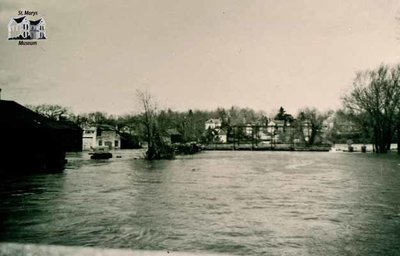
{"x": 357, "y": 147}
{"x": 266, "y": 147}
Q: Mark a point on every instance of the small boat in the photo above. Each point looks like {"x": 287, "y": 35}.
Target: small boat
{"x": 100, "y": 153}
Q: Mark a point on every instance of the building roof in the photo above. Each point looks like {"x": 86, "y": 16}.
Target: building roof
{"x": 35, "y": 22}
{"x": 222, "y": 132}
{"x": 173, "y": 131}
{"x": 16, "y": 116}
{"x": 106, "y": 127}
{"x": 20, "y": 19}
{"x": 277, "y": 123}
{"x": 214, "y": 120}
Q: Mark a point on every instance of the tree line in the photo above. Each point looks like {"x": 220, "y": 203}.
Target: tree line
{"x": 370, "y": 114}
{"x": 189, "y": 123}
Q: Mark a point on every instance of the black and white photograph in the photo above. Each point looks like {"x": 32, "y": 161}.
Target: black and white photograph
{"x": 199, "y": 127}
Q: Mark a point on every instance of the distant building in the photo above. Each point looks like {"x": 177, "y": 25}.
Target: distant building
{"x": 263, "y": 134}
{"x": 222, "y": 136}
{"x": 101, "y": 136}
{"x": 307, "y": 130}
{"x": 130, "y": 141}
{"x": 174, "y": 136}
{"x": 276, "y": 126}
{"x": 22, "y": 28}
{"x": 32, "y": 142}
{"x": 248, "y": 130}
{"x": 89, "y": 138}
{"x": 213, "y": 123}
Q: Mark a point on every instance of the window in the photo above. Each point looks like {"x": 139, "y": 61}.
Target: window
{"x": 116, "y": 143}
{"x": 100, "y": 143}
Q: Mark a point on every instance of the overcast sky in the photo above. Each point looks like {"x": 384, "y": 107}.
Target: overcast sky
{"x": 196, "y": 54}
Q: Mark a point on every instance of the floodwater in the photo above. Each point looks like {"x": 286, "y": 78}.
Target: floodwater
{"x": 234, "y": 202}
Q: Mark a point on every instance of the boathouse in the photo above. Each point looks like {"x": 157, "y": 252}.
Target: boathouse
{"x": 31, "y": 142}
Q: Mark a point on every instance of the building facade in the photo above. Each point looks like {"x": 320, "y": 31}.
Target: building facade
{"x": 222, "y": 136}
{"x": 213, "y": 123}
{"x": 101, "y": 136}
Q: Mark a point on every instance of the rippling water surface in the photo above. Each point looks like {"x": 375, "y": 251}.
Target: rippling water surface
{"x": 245, "y": 203}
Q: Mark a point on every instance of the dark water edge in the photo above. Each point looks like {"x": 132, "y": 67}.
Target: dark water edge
{"x": 235, "y": 202}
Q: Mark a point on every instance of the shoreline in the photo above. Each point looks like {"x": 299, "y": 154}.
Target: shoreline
{"x": 277, "y": 147}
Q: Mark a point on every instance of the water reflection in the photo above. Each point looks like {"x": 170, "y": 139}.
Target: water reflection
{"x": 26, "y": 202}
{"x": 247, "y": 203}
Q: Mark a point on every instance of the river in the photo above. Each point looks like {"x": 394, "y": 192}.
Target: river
{"x": 234, "y": 202}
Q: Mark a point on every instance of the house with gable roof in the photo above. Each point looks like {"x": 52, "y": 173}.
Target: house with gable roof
{"x": 101, "y": 136}
{"x": 37, "y": 29}
{"x": 213, "y": 123}
{"x": 23, "y": 29}
{"x": 31, "y": 142}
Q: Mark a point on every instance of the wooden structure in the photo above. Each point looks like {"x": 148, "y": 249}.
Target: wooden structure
{"x": 30, "y": 142}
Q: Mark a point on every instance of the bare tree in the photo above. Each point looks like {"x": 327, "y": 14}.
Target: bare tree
{"x": 157, "y": 149}
{"x": 376, "y": 95}
{"x": 149, "y": 110}
{"x": 55, "y": 112}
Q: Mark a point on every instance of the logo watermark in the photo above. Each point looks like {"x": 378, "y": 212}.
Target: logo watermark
{"x": 27, "y": 28}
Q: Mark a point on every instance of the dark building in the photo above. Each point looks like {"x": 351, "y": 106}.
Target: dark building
{"x": 130, "y": 141}
{"x": 174, "y": 136}
{"x": 31, "y": 142}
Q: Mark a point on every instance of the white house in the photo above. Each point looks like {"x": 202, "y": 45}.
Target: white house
{"x": 18, "y": 28}
{"x": 37, "y": 29}
{"x": 222, "y": 136}
{"x": 213, "y": 123}
{"x": 22, "y": 28}
{"x": 100, "y": 136}
{"x": 249, "y": 129}
{"x": 89, "y": 138}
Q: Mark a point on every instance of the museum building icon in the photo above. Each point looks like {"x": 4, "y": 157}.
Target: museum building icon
{"x": 23, "y": 29}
